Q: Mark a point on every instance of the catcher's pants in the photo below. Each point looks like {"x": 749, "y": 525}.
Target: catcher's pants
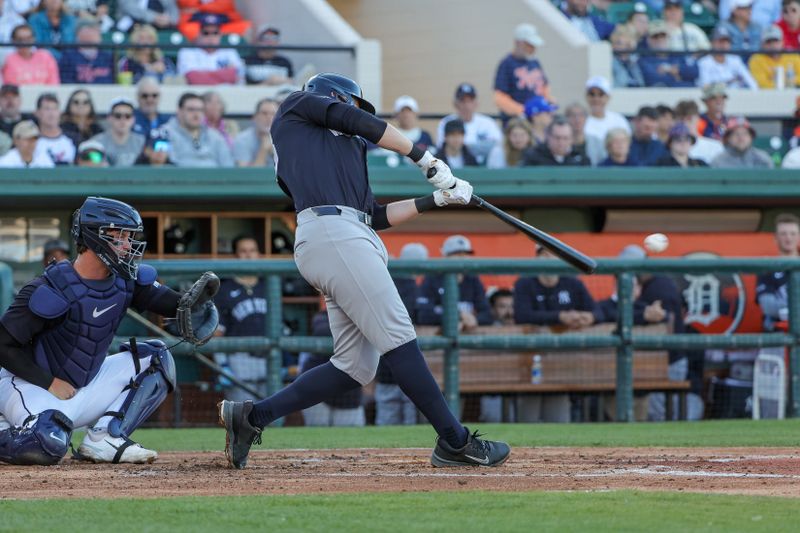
{"x": 20, "y": 399}
{"x": 346, "y": 260}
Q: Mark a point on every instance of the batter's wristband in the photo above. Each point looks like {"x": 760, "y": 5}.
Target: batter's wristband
{"x": 416, "y": 153}
{"x": 426, "y": 203}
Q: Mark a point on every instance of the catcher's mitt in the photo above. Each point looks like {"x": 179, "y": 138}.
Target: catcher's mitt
{"x": 197, "y": 316}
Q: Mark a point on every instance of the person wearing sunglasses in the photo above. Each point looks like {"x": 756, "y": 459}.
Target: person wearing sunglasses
{"x": 79, "y": 120}
{"x": 207, "y": 64}
{"x": 120, "y": 143}
{"x": 91, "y": 154}
{"x": 147, "y": 117}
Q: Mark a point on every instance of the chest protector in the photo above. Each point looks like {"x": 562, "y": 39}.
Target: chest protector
{"x": 75, "y": 348}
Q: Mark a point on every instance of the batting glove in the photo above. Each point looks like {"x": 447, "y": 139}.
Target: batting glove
{"x": 460, "y": 194}
{"x": 441, "y": 179}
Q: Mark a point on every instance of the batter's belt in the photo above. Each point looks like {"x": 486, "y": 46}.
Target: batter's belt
{"x": 338, "y": 210}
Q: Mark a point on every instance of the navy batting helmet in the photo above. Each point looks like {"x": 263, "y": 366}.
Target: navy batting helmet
{"x": 112, "y": 230}
{"x": 340, "y": 87}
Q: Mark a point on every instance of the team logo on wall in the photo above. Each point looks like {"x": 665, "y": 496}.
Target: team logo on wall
{"x": 715, "y": 302}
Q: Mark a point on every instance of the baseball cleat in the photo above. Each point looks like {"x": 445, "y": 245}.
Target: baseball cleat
{"x": 239, "y": 433}
{"x": 114, "y": 450}
{"x": 476, "y": 452}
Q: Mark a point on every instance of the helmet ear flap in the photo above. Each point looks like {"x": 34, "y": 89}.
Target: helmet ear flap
{"x": 75, "y": 231}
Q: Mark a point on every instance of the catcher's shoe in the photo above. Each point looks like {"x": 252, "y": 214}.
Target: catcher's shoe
{"x": 476, "y": 452}
{"x": 114, "y": 450}
{"x": 239, "y": 433}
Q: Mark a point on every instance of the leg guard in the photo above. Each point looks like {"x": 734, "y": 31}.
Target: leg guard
{"x": 43, "y": 440}
{"x": 147, "y": 390}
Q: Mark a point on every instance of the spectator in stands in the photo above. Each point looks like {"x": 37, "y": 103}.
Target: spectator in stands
{"x": 52, "y": 139}
{"x": 645, "y": 148}
{"x": 501, "y": 303}
{"x": 744, "y": 33}
{"x": 52, "y": 24}
{"x": 91, "y": 154}
{"x": 407, "y": 121}
{"x": 639, "y": 20}
{"x": 453, "y": 151}
{"x": 193, "y": 11}
{"x": 540, "y": 114}
{"x": 54, "y": 250}
{"x": 156, "y": 150}
{"x": 9, "y": 19}
{"x": 345, "y": 409}
{"x": 162, "y": 14}
{"x": 593, "y": 27}
{"x": 87, "y": 64}
{"x": 25, "y": 153}
{"x": 265, "y": 66}
{"x": 665, "y": 121}
{"x": 6, "y": 143}
{"x": 23, "y": 8}
{"x": 767, "y": 69}
{"x": 772, "y": 288}
{"x": 28, "y": 65}
{"x": 518, "y": 138}
{"x": 253, "y": 147}
{"x": 618, "y": 147}
{"x": 765, "y": 12}
{"x": 557, "y": 149}
{"x": 79, "y": 121}
{"x": 482, "y": 132}
{"x": 122, "y": 146}
{"x": 10, "y": 105}
{"x": 683, "y": 36}
{"x": 576, "y": 114}
{"x": 724, "y": 68}
{"x": 210, "y": 66}
{"x": 679, "y": 145}
{"x": 712, "y": 122}
{"x": 520, "y": 75}
{"x": 148, "y": 94}
{"x": 704, "y": 148}
{"x": 473, "y": 307}
{"x": 624, "y": 63}
{"x": 145, "y": 61}
{"x": 643, "y": 313}
{"x": 392, "y": 406}
{"x": 665, "y": 70}
{"x": 192, "y": 144}
{"x": 739, "y": 150}
{"x": 790, "y": 24}
{"x": 601, "y": 119}
{"x": 215, "y": 117}
{"x": 98, "y": 10}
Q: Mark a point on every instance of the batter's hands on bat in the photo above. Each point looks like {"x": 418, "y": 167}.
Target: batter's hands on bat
{"x": 460, "y": 194}
{"x": 61, "y": 389}
{"x": 443, "y": 177}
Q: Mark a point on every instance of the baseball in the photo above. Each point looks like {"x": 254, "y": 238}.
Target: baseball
{"x": 656, "y": 243}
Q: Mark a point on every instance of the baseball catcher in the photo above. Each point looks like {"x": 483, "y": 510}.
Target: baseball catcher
{"x": 55, "y": 337}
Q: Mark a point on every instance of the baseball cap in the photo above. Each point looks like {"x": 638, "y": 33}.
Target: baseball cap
{"x": 456, "y": 244}
{"x": 91, "y": 145}
{"x": 414, "y": 250}
{"x": 466, "y": 89}
{"x": 454, "y": 126}
{"x": 773, "y": 33}
{"x": 121, "y": 100}
{"x": 268, "y": 28}
{"x": 9, "y": 88}
{"x": 673, "y": 3}
{"x": 406, "y": 101}
{"x": 657, "y": 27}
{"x": 737, "y": 122}
{"x": 721, "y": 32}
{"x": 679, "y": 130}
{"x": 599, "y": 82}
{"x": 538, "y": 104}
{"x": 742, "y": 3}
{"x": 25, "y": 130}
{"x": 528, "y": 33}
{"x": 632, "y": 251}
{"x": 55, "y": 244}
{"x": 212, "y": 19}
{"x": 714, "y": 89}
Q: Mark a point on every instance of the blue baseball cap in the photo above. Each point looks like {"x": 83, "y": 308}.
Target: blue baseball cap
{"x": 538, "y": 104}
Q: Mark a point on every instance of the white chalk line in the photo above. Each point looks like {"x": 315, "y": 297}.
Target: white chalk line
{"x": 666, "y": 471}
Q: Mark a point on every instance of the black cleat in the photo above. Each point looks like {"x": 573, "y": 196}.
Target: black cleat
{"x": 476, "y": 452}
{"x": 239, "y": 434}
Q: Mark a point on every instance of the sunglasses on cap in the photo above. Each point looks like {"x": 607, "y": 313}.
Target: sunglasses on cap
{"x": 120, "y": 116}
{"x": 596, "y": 93}
{"x": 93, "y": 156}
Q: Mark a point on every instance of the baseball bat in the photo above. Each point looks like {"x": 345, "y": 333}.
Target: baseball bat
{"x": 563, "y": 251}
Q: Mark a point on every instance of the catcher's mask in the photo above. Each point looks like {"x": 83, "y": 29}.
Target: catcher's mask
{"x": 113, "y": 231}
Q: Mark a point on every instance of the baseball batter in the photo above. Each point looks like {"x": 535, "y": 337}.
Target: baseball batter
{"x": 54, "y": 340}
{"x": 319, "y": 137}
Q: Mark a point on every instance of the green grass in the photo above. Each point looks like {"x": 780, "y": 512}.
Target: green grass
{"x": 717, "y": 433}
{"x": 408, "y": 512}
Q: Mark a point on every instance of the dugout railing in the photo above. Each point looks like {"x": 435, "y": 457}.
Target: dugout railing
{"x": 273, "y": 343}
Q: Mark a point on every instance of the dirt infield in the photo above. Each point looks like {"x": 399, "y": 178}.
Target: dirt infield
{"x": 755, "y": 471}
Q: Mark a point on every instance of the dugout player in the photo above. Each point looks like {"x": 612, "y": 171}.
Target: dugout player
{"x": 54, "y": 341}
{"x": 320, "y": 137}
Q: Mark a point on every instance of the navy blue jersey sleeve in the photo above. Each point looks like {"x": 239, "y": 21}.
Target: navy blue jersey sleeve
{"x": 22, "y": 323}
{"x": 526, "y": 310}
{"x": 157, "y": 298}
{"x": 329, "y": 113}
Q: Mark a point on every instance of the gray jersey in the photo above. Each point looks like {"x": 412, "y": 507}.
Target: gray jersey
{"x": 245, "y": 148}
{"x": 121, "y": 155}
{"x": 209, "y": 149}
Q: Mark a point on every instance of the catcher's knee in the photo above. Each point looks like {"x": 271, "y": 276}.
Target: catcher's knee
{"x": 147, "y": 390}
{"x": 42, "y": 441}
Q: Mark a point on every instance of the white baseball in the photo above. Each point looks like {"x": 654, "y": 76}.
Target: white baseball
{"x": 656, "y": 243}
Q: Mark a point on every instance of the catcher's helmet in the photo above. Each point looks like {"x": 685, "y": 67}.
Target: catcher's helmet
{"x": 112, "y": 230}
{"x": 340, "y": 87}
